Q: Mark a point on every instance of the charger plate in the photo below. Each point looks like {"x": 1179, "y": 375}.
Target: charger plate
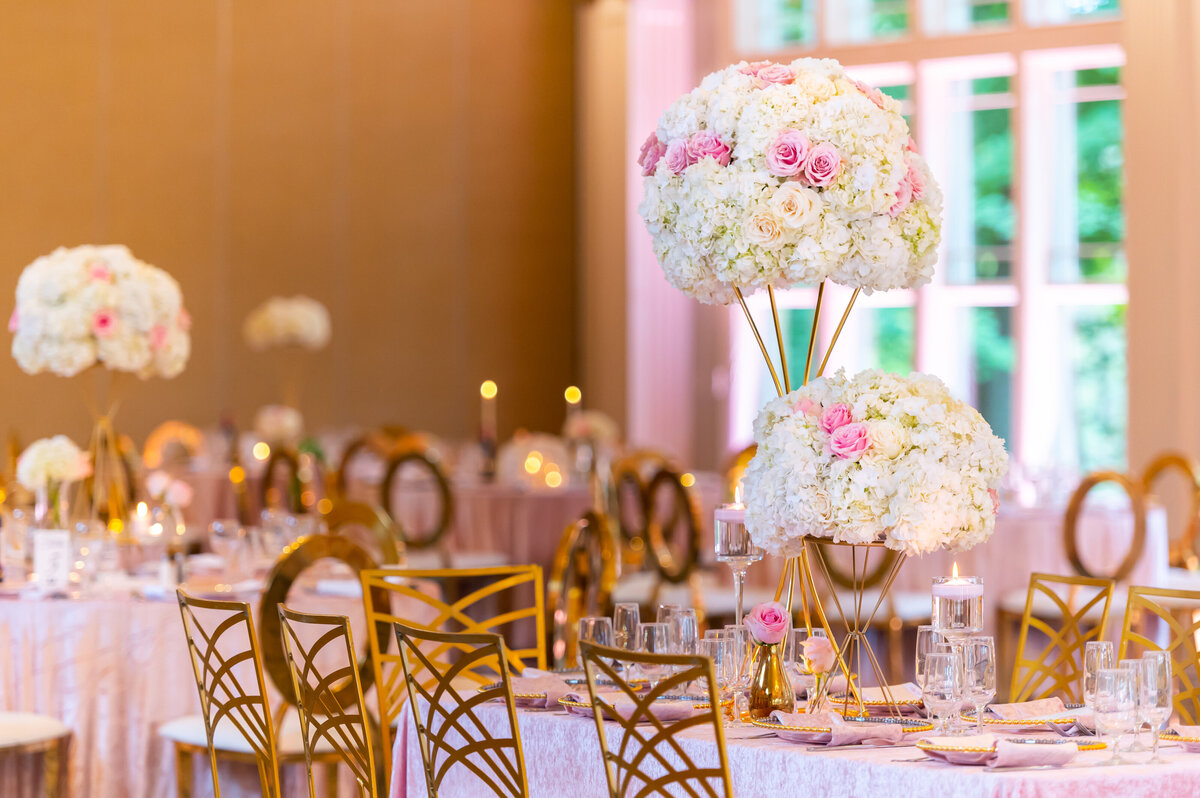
{"x": 1000, "y": 723}
{"x": 978, "y": 755}
{"x": 809, "y": 733}
{"x": 697, "y": 703}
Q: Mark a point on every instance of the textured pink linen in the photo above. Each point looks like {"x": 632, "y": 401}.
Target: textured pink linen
{"x": 1029, "y": 709}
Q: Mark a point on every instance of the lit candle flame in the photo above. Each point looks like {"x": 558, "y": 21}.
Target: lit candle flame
{"x": 573, "y": 395}
{"x": 488, "y": 390}
{"x": 142, "y": 509}
{"x": 954, "y": 571}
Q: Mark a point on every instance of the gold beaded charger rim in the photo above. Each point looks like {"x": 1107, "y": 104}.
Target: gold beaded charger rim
{"x": 909, "y": 724}
{"x": 846, "y": 699}
{"x": 542, "y": 695}
{"x": 1174, "y": 737}
{"x": 925, "y": 745}
{"x": 1020, "y": 723}
{"x": 697, "y": 705}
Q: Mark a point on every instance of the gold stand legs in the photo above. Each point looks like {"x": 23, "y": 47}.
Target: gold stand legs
{"x": 183, "y": 772}
{"x": 56, "y": 769}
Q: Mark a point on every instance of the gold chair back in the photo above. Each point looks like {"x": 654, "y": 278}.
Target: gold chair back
{"x": 379, "y": 442}
{"x": 344, "y": 515}
{"x": 269, "y": 493}
{"x": 171, "y": 434}
{"x": 419, "y": 457}
{"x": 449, "y": 730}
{"x": 735, "y": 472}
{"x": 673, "y": 566}
{"x": 630, "y": 479}
{"x": 1057, "y": 669}
{"x": 319, "y": 706}
{"x": 1176, "y": 613}
{"x": 1137, "y": 499}
{"x": 648, "y": 759}
{"x": 581, "y": 581}
{"x": 504, "y": 586}
{"x": 1183, "y": 547}
{"x": 221, "y": 642}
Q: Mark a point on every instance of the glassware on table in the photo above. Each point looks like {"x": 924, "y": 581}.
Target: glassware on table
{"x": 941, "y": 690}
{"x": 927, "y": 641}
{"x": 797, "y": 664}
{"x": 626, "y": 619}
{"x": 228, "y": 540}
{"x": 979, "y": 674}
{"x": 597, "y": 630}
{"x": 653, "y": 639}
{"x": 733, "y": 546}
{"x": 684, "y": 632}
{"x": 1157, "y": 695}
{"x": 957, "y": 607}
{"x": 1135, "y": 665}
{"x": 741, "y": 658}
{"x": 720, "y": 651}
{"x": 1115, "y": 707}
{"x": 1097, "y": 654}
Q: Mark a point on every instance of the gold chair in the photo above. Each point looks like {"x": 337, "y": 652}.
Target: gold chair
{"x": 380, "y": 442}
{"x": 449, "y": 730}
{"x": 1183, "y": 553}
{"x": 26, "y": 734}
{"x": 420, "y": 458}
{"x": 1176, "y": 616}
{"x": 269, "y": 493}
{"x": 581, "y": 581}
{"x": 630, "y": 480}
{"x": 330, "y": 701}
{"x": 343, "y": 516}
{"x": 735, "y": 472}
{"x": 171, "y": 439}
{"x": 645, "y": 740}
{"x": 1082, "y": 616}
{"x": 507, "y": 587}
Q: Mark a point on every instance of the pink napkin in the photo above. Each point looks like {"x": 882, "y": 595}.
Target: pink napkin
{"x": 1188, "y": 731}
{"x": 1002, "y": 753}
{"x": 663, "y": 710}
{"x": 1043, "y": 708}
{"x": 537, "y": 681}
{"x": 841, "y": 731}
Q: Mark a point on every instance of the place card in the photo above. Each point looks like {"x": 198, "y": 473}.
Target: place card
{"x": 52, "y": 555}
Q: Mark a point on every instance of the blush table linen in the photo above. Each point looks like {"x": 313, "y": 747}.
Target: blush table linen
{"x": 562, "y": 755}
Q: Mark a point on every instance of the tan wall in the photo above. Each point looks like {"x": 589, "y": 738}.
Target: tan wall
{"x": 408, "y": 162}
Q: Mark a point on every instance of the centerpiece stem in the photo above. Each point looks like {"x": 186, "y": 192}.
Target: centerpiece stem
{"x": 837, "y": 332}
{"x": 762, "y": 346}
{"x": 812, "y": 337}
{"x": 787, "y": 378}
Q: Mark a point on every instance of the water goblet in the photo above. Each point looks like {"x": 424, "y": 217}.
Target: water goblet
{"x": 596, "y": 630}
{"x": 626, "y": 619}
{"x": 653, "y": 639}
{"x": 741, "y": 663}
{"x": 1135, "y": 665}
{"x": 940, "y": 691}
{"x": 979, "y": 674}
{"x": 1157, "y": 695}
{"x": 1115, "y": 706}
{"x": 1097, "y": 654}
{"x": 720, "y": 651}
{"x": 734, "y": 547}
{"x": 927, "y": 641}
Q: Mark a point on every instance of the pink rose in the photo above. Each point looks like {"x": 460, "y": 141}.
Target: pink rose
{"x": 14, "y": 321}
{"x": 903, "y": 198}
{"x": 104, "y": 323}
{"x": 754, "y": 67}
{"x": 850, "y": 441}
{"x": 158, "y": 336}
{"x": 835, "y": 416}
{"x": 823, "y": 165}
{"x": 806, "y": 406}
{"x": 677, "y": 156}
{"x": 652, "y": 150}
{"x": 776, "y": 73}
{"x": 788, "y": 153}
{"x": 184, "y": 320}
{"x": 707, "y": 144}
{"x": 98, "y": 270}
{"x": 873, "y": 94}
{"x": 916, "y": 181}
{"x": 995, "y": 499}
{"x": 819, "y": 654}
{"x": 178, "y": 495}
{"x": 767, "y": 623}
{"x": 912, "y": 145}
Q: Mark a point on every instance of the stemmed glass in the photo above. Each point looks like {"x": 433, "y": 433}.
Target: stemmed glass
{"x": 1116, "y": 706}
{"x": 940, "y": 690}
{"x": 720, "y": 651}
{"x": 734, "y": 547}
{"x": 227, "y": 539}
{"x": 626, "y": 619}
{"x": 1157, "y": 694}
{"x": 1097, "y": 655}
{"x": 596, "y": 630}
{"x": 979, "y": 674}
{"x": 653, "y": 639}
{"x": 740, "y": 638}
{"x": 928, "y": 641}
{"x": 795, "y": 657}
{"x": 1135, "y": 665}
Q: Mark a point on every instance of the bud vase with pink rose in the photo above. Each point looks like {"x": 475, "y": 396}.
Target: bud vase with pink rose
{"x": 770, "y": 688}
{"x": 819, "y": 658}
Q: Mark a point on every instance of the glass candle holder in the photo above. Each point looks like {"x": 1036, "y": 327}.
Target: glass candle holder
{"x": 734, "y": 547}
{"x": 957, "y": 606}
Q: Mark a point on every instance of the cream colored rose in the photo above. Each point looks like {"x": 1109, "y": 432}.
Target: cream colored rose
{"x": 763, "y": 228}
{"x": 818, "y": 87}
{"x": 796, "y": 206}
{"x": 889, "y": 440}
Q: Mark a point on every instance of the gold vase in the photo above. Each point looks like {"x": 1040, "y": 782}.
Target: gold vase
{"x": 770, "y": 688}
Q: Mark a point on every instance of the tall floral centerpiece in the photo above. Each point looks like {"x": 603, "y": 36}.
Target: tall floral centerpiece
{"x": 99, "y": 308}
{"x": 47, "y": 467}
{"x": 290, "y": 325}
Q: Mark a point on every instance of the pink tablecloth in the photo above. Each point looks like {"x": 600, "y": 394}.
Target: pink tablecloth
{"x": 563, "y": 759}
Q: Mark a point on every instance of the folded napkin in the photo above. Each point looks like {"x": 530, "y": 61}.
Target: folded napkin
{"x": 535, "y": 681}
{"x": 1188, "y": 731}
{"x": 841, "y": 731}
{"x": 1043, "y": 708}
{"x": 344, "y": 588}
{"x": 997, "y": 752}
{"x": 662, "y": 710}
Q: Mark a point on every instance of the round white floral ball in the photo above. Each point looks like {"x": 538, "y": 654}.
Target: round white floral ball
{"x": 288, "y": 321}
{"x": 48, "y": 460}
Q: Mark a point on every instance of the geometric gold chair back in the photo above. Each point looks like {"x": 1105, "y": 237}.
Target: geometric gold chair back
{"x": 648, "y": 758}
{"x": 581, "y": 581}
{"x": 1056, "y": 669}
{"x": 630, "y": 479}
{"x": 275, "y": 492}
{"x": 507, "y": 600}
{"x": 449, "y": 730}
{"x": 1184, "y": 552}
{"x": 735, "y": 472}
{"x": 376, "y": 442}
{"x": 1157, "y": 619}
{"x": 321, "y": 658}
{"x": 345, "y": 517}
{"x": 170, "y": 443}
{"x": 425, "y": 460}
{"x": 674, "y": 563}
{"x": 227, "y": 664}
{"x": 1137, "y": 501}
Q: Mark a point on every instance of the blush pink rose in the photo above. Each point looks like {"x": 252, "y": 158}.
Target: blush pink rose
{"x": 788, "y": 153}
{"x": 873, "y": 94}
{"x": 753, "y": 68}
{"x": 104, "y": 323}
{"x": 916, "y": 181}
{"x": 98, "y": 270}
{"x": 14, "y": 321}
{"x": 806, "y": 406}
{"x": 158, "y": 336}
{"x": 995, "y": 499}
{"x": 835, "y": 416}
{"x": 818, "y": 651}
{"x": 652, "y": 150}
{"x": 776, "y": 73}
{"x": 677, "y": 157}
{"x": 904, "y": 194}
{"x": 823, "y": 165}
{"x": 707, "y": 144}
{"x": 850, "y": 441}
{"x": 912, "y": 145}
{"x": 767, "y": 623}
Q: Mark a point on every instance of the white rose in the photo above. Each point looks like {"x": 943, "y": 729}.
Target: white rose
{"x": 795, "y": 205}
{"x": 816, "y": 86}
{"x": 763, "y": 229}
{"x": 889, "y": 440}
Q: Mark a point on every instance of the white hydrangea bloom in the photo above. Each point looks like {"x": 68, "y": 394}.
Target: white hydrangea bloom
{"x": 48, "y": 460}
{"x": 917, "y": 469}
{"x": 288, "y": 321}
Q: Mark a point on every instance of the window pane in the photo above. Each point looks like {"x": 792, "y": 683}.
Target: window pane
{"x": 903, "y": 94}
{"x": 958, "y": 16}
{"x": 1057, "y": 12}
{"x": 851, "y": 21}
{"x": 1096, "y": 396}
{"x": 1088, "y": 232}
{"x": 797, "y": 325}
{"x": 986, "y": 363}
{"x": 769, "y": 25}
{"x": 980, "y": 216}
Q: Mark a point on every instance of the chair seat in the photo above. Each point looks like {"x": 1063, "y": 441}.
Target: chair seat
{"x": 912, "y": 607}
{"x": 190, "y": 731}
{"x": 25, "y": 728}
{"x": 1182, "y": 579}
{"x": 432, "y": 559}
{"x": 1013, "y": 603}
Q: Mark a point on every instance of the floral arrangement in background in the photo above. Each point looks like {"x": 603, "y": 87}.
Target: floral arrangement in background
{"x": 873, "y": 457}
{"x": 781, "y": 174}
{"x": 297, "y": 321}
{"x": 99, "y": 304}
{"x": 591, "y": 425}
{"x": 164, "y": 488}
{"x": 279, "y": 425}
{"x": 52, "y": 460}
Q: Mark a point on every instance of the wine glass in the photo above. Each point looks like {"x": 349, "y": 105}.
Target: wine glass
{"x": 720, "y": 651}
{"x": 927, "y": 641}
{"x": 741, "y": 662}
{"x": 596, "y": 630}
{"x": 653, "y": 639}
{"x": 227, "y": 539}
{"x": 940, "y": 690}
{"x": 1135, "y": 665}
{"x": 626, "y": 619}
{"x": 979, "y": 674}
{"x": 1157, "y": 694}
{"x": 1097, "y": 654}
{"x": 684, "y": 632}
{"x": 1115, "y": 706}
{"x": 734, "y": 547}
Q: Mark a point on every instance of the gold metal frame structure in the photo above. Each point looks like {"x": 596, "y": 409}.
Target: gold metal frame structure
{"x": 379, "y": 441}
{"x": 647, "y": 740}
{"x": 1179, "y": 612}
{"x": 673, "y": 567}
{"x": 187, "y": 436}
{"x": 320, "y": 707}
{"x": 346, "y": 513}
{"x": 633, "y": 471}
{"x": 502, "y": 584}
{"x": 1183, "y": 553}
{"x": 1058, "y": 667}
{"x": 442, "y": 713}
{"x": 581, "y": 581}
{"x": 222, "y": 694}
{"x": 1137, "y": 499}
{"x": 268, "y": 491}
{"x": 446, "y": 516}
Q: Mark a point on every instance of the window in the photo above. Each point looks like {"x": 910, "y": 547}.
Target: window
{"x": 1025, "y": 318}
